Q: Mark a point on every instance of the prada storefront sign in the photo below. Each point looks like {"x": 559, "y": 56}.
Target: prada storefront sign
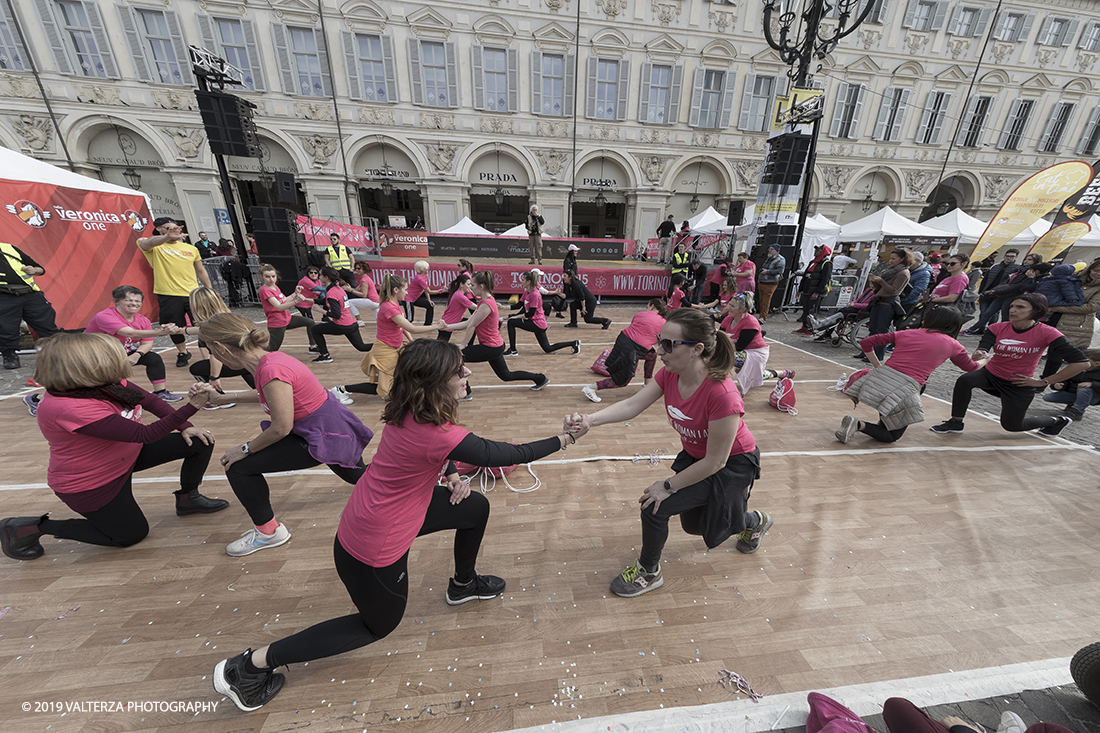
{"x": 492, "y": 170}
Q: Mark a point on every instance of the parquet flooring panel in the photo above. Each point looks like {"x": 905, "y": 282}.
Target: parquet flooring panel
{"x": 884, "y": 562}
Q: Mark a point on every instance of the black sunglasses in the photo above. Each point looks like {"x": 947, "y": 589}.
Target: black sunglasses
{"x": 667, "y": 345}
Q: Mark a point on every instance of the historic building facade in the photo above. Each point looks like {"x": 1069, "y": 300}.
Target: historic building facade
{"x": 454, "y": 104}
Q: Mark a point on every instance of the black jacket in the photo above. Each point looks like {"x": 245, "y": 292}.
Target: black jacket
{"x": 817, "y": 277}
{"x": 996, "y": 275}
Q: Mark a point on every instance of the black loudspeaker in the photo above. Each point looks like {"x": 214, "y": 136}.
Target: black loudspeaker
{"x": 279, "y": 244}
{"x": 785, "y": 159}
{"x": 736, "y": 214}
{"x": 286, "y": 189}
{"x": 229, "y": 124}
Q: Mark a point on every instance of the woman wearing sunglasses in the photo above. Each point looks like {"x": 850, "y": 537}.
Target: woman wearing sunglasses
{"x": 399, "y": 497}
{"x": 714, "y": 472}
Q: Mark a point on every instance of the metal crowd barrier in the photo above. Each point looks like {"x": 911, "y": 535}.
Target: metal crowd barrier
{"x": 235, "y": 291}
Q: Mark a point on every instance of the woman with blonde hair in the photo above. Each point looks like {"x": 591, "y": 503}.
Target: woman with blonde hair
{"x": 401, "y": 496}
{"x": 308, "y": 426}
{"x": 419, "y": 293}
{"x": 91, "y": 417}
{"x": 714, "y": 472}
{"x": 748, "y": 336}
{"x": 204, "y": 304}
{"x": 392, "y": 329}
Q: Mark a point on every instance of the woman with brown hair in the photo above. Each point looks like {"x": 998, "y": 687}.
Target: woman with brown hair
{"x": 91, "y": 417}
{"x": 308, "y": 426}
{"x": 888, "y": 285}
{"x": 634, "y": 342}
{"x": 396, "y": 500}
{"x": 714, "y": 472}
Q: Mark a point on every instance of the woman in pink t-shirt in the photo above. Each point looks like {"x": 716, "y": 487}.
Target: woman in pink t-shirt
{"x": 310, "y": 285}
{"x": 533, "y": 318}
{"x": 745, "y": 273}
{"x": 364, "y": 294}
{"x": 719, "y": 460}
{"x": 634, "y": 342}
{"x": 1017, "y": 345}
{"x": 675, "y": 295}
{"x": 459, "y": 303}
{"x": 748, "y": 336}
{"x": 485, "y": 324}
{"x": 411, "y": 488}
{"x": 91, "y": 417}
{"x": 308, "y": 426}
{"x": 277, "y": 309}
{"x": 339, "y": 320}
{"x": 419, "y": 294}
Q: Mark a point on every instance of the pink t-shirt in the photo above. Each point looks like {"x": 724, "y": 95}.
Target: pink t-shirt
{"x": 275, "y": 317}
{"x": 363, "y": 279}
{"x": 673, "y": 301}
{"x": 417, "y": 286}
{"x": 1018, "y": 353}
{"x": 109, "y": 321}
{"x": 533, "y": 299}
{"x": 388, "y": 504}
{"x": 953, "y": 284}
{"x": 389, "y": 332}
{"x": 457, "y": 307}
{"x": 82, "y": 462}
{"x": 918, "y": 352}
{"x": 309, "y": 395}
{"x": 307, "y": 287}
{"x": 488, "y": 331}
{"x": 645, "y": 328}
{"x": 711, "y": 401}
{"x": 746, "y": 284}
{"x": 335, "y": 292}
{"x": 748, "y": 321}
{"x": 719, "y": 274}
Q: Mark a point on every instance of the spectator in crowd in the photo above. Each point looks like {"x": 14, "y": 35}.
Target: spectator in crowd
{"x": 771, "y": 272}
{"x": 1080, "y": 391}
{"x": 745, "y": 273}
{"x": 813, "y": 287}
{"x": 664, "y": 240}
{"x": 21, "y": 300}
{"x": 841, "y": 261}
{"x": 205, "y": 246}
{"x": 177, "y": 270}
{"x": 1076, "y": 321}
{"x": 338, "y": 257}
{"x": 534, "y": 224}
{"x": 698, "y": 278}
{"x": 569, "y": 264}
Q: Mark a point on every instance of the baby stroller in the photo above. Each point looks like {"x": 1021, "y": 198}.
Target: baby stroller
{"x": 847, "y": 324}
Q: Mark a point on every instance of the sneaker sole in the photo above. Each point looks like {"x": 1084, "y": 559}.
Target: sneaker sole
{"x": 264, "y": 546}
{"x": 452, "y": 602}
{"x": 538, "y": 387}
{"x": 945, "y": 432}
{"x": 592, "y": 397}
{"x": 652, "y": 586}
{"x": 847, "y": 429}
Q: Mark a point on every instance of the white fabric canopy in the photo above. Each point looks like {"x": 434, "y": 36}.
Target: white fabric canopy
{"x": 707, "y": 221}
{"x": 1029, "y": 236}
{"x": 519, "y": 230}
{"x": 883, "y": 223}
{"x": 19, "y": 167}
{"x": 959, "y": 224}
{"x": 465, "y": 226}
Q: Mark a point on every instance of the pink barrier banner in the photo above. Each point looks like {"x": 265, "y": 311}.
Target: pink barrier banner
{"x": 318, "y": 231}
{"x": 642, "y": 282}
{"x": 693, "y": 243}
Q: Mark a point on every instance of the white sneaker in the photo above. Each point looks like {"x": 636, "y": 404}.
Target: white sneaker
{"x": 341, "y": 394}
{"x": 591, "y": 394}
{"x": 1011, "y": 723}
{"x": 254, "y": 540}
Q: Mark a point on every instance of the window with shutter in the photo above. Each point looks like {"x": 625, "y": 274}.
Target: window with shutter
{"x": 495, "y": 75}
{"x": 932, "y": 117}
{"x": 11, "y": 50}
{"x": 1051, "y": 139}
{"x": 282, "y": 55}
{"x": 371, "y": 65}
{"x": 548, "y": 84}
{"x": 606, "y": 89}
{"x": 305, "y": 62}
{"x": 710, "y": 98}
{"x": 756, "y": 103}
{"x": 1090, "y": 136}
{"x": 1016, "y": 125}
{"x": 416, "y": 71}
{"x": 83, "y": 34}
{"x": 973, "y": 122}
{"x": 164, "y": 43}
{"x": 849, "y": 103}
{"x": 656, "y": 94}
{"x": 878, "y": 13}
{"x": 131, "y": 29}
{"x": 891, "y": 113}
{"x": 1090, "y": 37}
{"x": 433, "y": 66}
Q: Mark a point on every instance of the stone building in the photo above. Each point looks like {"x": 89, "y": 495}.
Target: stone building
{"x": 454, "y": 104}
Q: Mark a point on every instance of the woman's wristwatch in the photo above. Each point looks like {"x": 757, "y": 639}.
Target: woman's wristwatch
{"x": 668, "y": 486}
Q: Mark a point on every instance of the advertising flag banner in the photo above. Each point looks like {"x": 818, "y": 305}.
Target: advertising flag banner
{"x": 318, "y": 231}
{"x": 86, "y": 241}
{"x": 1058, "y": 239}
{"x": 1083, "y": 204}
{"x": 1031, "y": 200}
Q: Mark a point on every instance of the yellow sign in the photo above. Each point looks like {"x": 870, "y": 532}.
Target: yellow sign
{"x": 783, "y": 105}
{"x": 1032, "y": 199}
{"x": 1058, "y": 239}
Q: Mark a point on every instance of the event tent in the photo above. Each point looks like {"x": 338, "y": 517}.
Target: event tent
{"x": 19, "y": 167}
{"x": 1029, "y": 236}
{"x": 519, "y": 230}
{"x": 884, "y": 223}
{"x": 957, "y": 223}
{"x": 707, "y": 221}
{"x": 467, "y": 227}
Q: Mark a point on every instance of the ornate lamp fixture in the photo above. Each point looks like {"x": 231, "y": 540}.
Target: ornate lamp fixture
{"x": 387, "y": 187}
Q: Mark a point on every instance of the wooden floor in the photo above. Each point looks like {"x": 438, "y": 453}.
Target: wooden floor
{"x": 942, "y": 553}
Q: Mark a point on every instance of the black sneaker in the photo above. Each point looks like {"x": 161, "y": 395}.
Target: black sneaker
{"x": 248, "y": 691}
{"x": 510, "y": 352}
{"x": 19, "y": 537}
{"x": 322, "y": 359}
{"x": 748, "y": 541}
{"x": 539, "y": 385}
{"x": 576, "y": 347}
{"x": 568, "y": 325}
{"x": 1061, "y": 423}
{"x": 314, "y": 350}
{"x": 11, "y": 359}
{"x": 481, "y": 588}
{"x": 195, "y": 503}
{"x": 606, "y": 323}
{"x": 951, "y": 426}
{"x": 559, "y": 314}
{"x": 182, "y": 358}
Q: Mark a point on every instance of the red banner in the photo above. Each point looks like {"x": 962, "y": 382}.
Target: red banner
{"x": 643, "y": 282}
{"x": 318, "y": 231}
{"x": 86, "y": 240}
{"x": 403, "y": 243}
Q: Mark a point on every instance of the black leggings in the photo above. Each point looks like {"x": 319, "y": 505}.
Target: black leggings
{"x": 810, "y": 306}
{"x": 734, "y": 480}
{"x": 882, "y": 315}
{"x": 381, "y": 594}
{"x": 422, "y": 302}
{"x": 201, "y": 370}
{"x": 120, "y": 522}
{"x": 351, "y": 331}
{"x": 590, "y": 312}
{"x": 475, "y": 353}
{"x": 154, "y": 366}
{"x": 276, "y": 334}
{"x": 540, "y": 335}
{"x": 246, "y": 476}
{"x": 1014, "y": 400}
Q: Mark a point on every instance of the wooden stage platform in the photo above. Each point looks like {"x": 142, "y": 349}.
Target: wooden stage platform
{"x": 939, "y": 554}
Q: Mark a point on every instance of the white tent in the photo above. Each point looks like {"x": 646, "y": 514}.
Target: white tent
{"x": 19, "y": 167}
{"x": 465, "y": 226}
{"x": 707, "y": 221}
{"x": 1029, "y": 236}
{"x": 519, "y": 230}
{"x": 883, "y": 223}
{"x": 719, "y": 226}
{"x": 959, "y": 224}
